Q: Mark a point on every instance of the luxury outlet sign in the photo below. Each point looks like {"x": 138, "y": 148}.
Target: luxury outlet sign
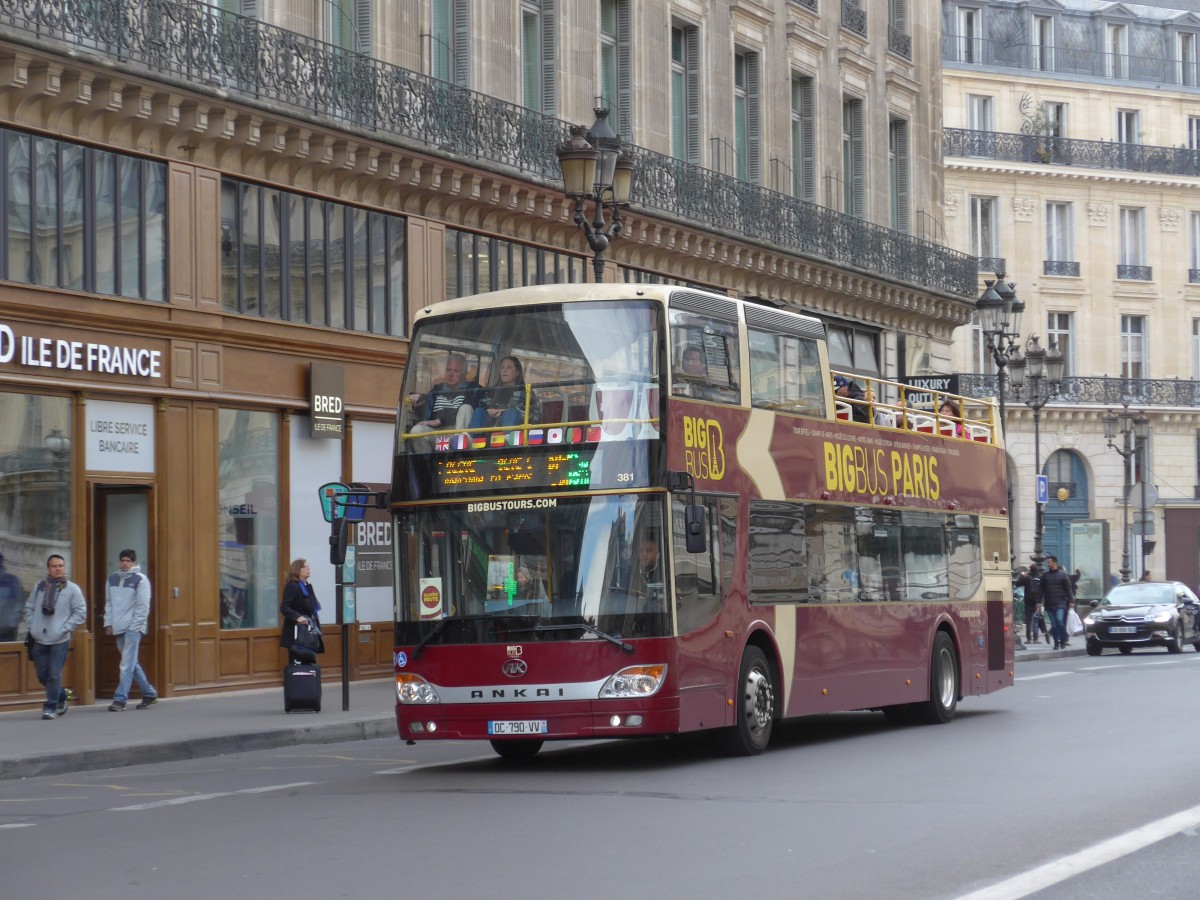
{"x": 78, "y": 356}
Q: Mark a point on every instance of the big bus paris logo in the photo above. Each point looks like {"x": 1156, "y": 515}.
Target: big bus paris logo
{"x": 704, "y": 448}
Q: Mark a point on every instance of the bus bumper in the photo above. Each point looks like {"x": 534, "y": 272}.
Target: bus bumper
{"x": 560, "y": 721}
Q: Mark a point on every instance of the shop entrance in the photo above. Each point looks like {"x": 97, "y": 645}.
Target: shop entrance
{"x": 120, "y": 519}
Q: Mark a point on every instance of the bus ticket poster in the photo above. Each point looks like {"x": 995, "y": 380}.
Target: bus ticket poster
{"x": 431, "y": 598}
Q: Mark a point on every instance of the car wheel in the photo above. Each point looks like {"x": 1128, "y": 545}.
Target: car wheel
{"x": 1175, "y": 644}
{"x": 943, "y": 683}
{"x": 1126, "y": 649}
{"x": 1094, "y": 648}
{"x": 755, "y": 710}
{"x": 520, "y": 749}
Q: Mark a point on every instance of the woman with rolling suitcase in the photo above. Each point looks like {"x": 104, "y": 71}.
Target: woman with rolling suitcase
{"x": 301, "y": 636}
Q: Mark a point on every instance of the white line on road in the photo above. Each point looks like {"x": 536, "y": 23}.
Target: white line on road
{"x": 1060, "y": 870}
{"x": 19, "y": 825}
{"x": 404, "y": 770}
{"x": 176, "y": 801}
{"x": 1101, "y": 668}
{"x": 1043, "y": 675}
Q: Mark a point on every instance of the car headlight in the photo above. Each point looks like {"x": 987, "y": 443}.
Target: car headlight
{"x": 1089, "y": 620}
{"x": 413, "y": 689}
{"x": 634, "y": 681}
{"x": 1164, "y": 617}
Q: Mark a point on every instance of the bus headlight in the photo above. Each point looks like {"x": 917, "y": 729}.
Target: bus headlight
{"x": 413, "y": 689}
{"x": 635, "y": 681}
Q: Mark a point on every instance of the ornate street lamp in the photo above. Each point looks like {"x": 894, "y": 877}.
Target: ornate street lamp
{"x": 595, "y": 169}
{"x": 1036, "y": 378}
{"x": 59, "y": 446}
{"x": 1129, "y": 427}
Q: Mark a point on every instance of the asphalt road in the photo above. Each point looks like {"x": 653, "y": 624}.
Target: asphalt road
{"x": 1059, "y": 788}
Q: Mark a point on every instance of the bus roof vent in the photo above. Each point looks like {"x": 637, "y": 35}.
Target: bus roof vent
{"x": 788, "y": 323}
{"x": 705, "y": 304}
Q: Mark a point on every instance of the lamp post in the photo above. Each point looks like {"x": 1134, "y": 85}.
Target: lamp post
{"x": 1128, "y": 426}
{"x": 1036, "y": 378}
{"x": 59, "y": 446}
{"x": 595, "y": 169}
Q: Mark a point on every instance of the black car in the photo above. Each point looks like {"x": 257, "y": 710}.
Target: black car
{"x": 1144, "y": 614}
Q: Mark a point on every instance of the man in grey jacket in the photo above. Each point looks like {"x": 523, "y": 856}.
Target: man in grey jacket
{"x": 126, "y": 609}
{"x": 54, "y": 610}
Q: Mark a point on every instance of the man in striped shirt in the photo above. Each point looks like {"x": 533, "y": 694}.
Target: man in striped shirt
{"x": 449, "y": 404}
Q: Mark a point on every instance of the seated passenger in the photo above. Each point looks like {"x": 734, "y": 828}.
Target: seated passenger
{"x": 848, "y": 390}
{"x": 449, "y": 404}
{"x": 693, "y": 362}
{"x": 504, "y": 403}
{"x": 950, "y": 412}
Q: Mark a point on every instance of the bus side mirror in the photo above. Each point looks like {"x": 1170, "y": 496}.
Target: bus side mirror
{"x": 693, "y": 520}
{"x": 338, "y": 535}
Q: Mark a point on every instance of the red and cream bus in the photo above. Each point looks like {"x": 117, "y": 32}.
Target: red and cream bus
{"x": 683, "y": 528}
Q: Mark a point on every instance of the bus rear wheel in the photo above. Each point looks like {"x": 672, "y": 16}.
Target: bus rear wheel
{"x": 754, "y": 705}
{"x": 943, "y": 683}
{"x": 520, "y": 749}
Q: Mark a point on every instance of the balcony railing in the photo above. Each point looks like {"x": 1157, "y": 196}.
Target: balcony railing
{"x": 1056, "y": 151}
{"x": 196, "y": 45}
{"x": 854, "y": 17}
{"x": 992, "y": 264}
{"x": 811, "y": 4}
{"x": 1134, "y": 273}
{"x": 1058, "y": 267}
{"x": 1100, "y": 391}
{"x": 899, "y": 42}
{"x": 1082, "y": 62}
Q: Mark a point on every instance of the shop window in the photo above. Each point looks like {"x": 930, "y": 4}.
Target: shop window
{"x": 247, "y": 519}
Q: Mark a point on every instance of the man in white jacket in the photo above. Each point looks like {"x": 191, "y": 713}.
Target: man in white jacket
{"x": 54, "y": 610}
{"x": 126, "y": 610}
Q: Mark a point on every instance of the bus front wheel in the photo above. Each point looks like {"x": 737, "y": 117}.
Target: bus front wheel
{"x": 755, "y": 706}
{"x": 943, "y": 683}
{"x": 520, "y": 749}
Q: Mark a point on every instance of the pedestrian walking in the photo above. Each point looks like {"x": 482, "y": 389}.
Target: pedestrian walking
{"x": 54, "y": 610}
{"x": 126, "y": 611}
{"x": 1031, "y": 582}
{"x": 1058, "y": 595}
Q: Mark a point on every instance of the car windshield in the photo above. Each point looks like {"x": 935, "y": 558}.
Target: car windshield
{"x": 1142, "y": 594}
{"x": 539, "y": 566}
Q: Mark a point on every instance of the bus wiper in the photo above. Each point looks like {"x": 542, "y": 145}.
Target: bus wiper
{"x": 437, "y": 629}
{"x": 586, "y": 626}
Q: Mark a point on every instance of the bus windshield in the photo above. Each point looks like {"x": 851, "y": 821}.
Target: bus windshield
{"x": 599, "y": 560}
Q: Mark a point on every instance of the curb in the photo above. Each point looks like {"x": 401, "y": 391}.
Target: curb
{"x": 195, "y": 748}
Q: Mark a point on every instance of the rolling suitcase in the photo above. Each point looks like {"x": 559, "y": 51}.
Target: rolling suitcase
{"x": 302, "y": 687}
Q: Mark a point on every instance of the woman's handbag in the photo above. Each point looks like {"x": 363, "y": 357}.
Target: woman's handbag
{"x": 308, "y": 636}
{"x": 1074, "y": 623}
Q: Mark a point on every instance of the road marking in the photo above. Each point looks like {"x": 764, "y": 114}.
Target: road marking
{"x": 1060, "y": 870}
{"x": 1043, "y": 675}
{"x": 404, "y": 770}
{"x": 1101, "y": 668}
{"x": 176, "y": 801}
{"x": 19, "y": 825}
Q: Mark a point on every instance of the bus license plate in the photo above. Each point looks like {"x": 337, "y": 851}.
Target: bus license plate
{"x": 525, "y": 726}
{"x": 1123, "y": 629}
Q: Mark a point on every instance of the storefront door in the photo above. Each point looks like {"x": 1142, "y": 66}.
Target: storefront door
{"x": 121, "y": 519}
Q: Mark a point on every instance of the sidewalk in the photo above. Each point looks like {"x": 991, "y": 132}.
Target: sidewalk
{"x": 91, "y": 737}
{"x": 1045, "y": 651}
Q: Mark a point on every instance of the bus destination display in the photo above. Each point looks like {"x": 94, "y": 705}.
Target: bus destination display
{"x": 569, "y": 469}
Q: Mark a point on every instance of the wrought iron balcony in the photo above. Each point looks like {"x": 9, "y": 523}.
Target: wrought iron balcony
{"x": 1099, "y": 391}
{"x": 1058, "y": 267}
{"x": 1134, "y": 273}
{"x": 854, "y": 17}
{"x": 1081, "y": 62}
{"x": 899, "y": 42}
{"x": 811, "y": 4}
{"x": 992, "y": 264}
{"x": 198, "y": 46}
{"x": 1056, "y": 151}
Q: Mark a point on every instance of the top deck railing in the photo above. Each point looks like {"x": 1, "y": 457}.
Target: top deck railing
{"x": 892, "y": 405}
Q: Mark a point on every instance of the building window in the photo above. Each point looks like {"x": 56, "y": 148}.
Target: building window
{"x": 985, "y": 240}
{"x": 1133, "y": 347}
{"x": 853, "y": 349}
{"x": 1185, "y": 50}
{"x": 979, "y": 113}
{"x": 450, "y": 42}
{"x": 1193, "y": 135}
{"x": 970, "y": 34}
{"x": 899, "y": 40}
{"x": 1129, "y": 127}
{"x": 1196, "y": 350}
{"x": 348, "y": 24}
{"x": 685, "y": 93}
{"x": 1194, "y": 248}
{"x": 1116, "y": 57}
{"x": 747, "y": 114}
{"x": 804, "y": 139}
{"x": 1043, "y": 43}
{"x": 1054, "y": 119}
{"x": 539, "y": 85}
{"x": 898, "y": 173}
{"x": 82, "y": 219}
{"x": 301, "y": 259}
{"x": 247, "y": 518}
{"x": 1132, "y": 235}
{"x": 476, "y": 264}
{"x": 853, "y": 164}
{"x": 1059, "y": 328}
{"x": 616, "y": 76}
{"x": 1059, "y": 233}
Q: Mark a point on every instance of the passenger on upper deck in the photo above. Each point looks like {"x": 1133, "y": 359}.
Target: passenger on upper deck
{"x": 447, "y": 405}
{"x": 504, "y": 403}
{"x": 849, "y": 390}
{"x": 950, "y": 412}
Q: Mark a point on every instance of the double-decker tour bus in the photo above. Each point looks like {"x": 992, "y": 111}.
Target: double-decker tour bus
{"x": 642, "y": 510}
